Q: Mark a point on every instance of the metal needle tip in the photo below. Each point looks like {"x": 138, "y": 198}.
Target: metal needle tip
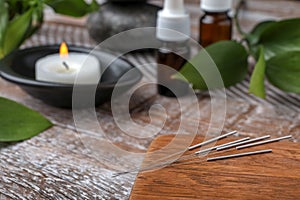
{"x": 212, "y": 140}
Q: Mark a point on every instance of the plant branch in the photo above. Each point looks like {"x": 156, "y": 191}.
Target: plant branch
{"x": 236, "y": 17}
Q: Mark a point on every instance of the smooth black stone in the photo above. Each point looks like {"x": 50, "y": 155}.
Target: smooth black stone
{"x": 114, "y": 18}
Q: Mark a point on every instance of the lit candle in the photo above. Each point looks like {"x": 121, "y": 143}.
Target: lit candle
{"x": 67, "y": 67}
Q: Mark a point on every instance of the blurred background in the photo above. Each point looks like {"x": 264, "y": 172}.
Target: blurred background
{"x": 253, "y": 12}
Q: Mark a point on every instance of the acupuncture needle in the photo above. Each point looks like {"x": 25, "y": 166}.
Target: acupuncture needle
{"x": 136, "y": 170}
{"x": 202, "y": 160}
{"x": 264, "y": 142}
{"x": 185, "y": 158}
{"x": 188, "y": 157}
{"x": 191, "y": 156}
{"x": 178, "y": 162}
{"x": 222, "y": 145}
{"x": 158, "y": 165}
{"x": 204, "y": 143}
{"x": 234, "y": 142}
{"x": 212, "y": 140}
{"x": 244, "y": 142}
{"x": 226, "y": 146}
{"x": 239, "y": 155}
{"x": 228, "y": 156}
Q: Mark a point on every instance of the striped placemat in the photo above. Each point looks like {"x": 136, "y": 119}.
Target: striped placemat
{"x": 54, "y": 33}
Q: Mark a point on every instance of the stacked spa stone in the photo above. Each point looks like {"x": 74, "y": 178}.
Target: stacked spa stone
{"x": 116, "y": 16}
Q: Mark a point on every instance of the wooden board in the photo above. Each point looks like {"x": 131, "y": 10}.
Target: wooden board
{"x": 269, "y": 176}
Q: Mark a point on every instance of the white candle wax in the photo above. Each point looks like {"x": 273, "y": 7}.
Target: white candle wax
{"x": 83, "y": 68}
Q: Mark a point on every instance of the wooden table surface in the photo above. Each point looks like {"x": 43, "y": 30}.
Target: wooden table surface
{"x": 267, "y": 176}
{"x": 57, "y": 164}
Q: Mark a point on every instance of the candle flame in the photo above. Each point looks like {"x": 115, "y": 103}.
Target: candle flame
{"x": 63, "y": 50}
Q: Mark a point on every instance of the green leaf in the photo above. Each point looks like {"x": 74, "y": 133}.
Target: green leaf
{"x": 230, "y": 58}
{"x": 283, "y": 71}
{"x": 75, "y": 8}
{"x": 3, "y": 24}
{"x": 257, "y": 86}
{"x": 254, "y": 36}
{"x": 18, "y": 122}
{"x": 257, "y": 31}
{"x": 37, "y": 18}
{"x": 281, "y": 37}
{"x": 16, "y": 31}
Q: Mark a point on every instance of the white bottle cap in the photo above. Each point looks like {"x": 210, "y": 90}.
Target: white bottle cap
{"x": 216, "y": 5}
{"x": 173, "y": 22}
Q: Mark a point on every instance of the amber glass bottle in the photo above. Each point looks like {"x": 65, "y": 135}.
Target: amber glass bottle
{"x": 215, "y": 24}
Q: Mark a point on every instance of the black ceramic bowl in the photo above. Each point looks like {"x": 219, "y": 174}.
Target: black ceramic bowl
{"x": 19, "y": 68}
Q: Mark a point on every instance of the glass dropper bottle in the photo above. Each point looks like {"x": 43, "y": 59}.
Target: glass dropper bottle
{"x": 173, "y": 31}
{"x": 215, "y": 24}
